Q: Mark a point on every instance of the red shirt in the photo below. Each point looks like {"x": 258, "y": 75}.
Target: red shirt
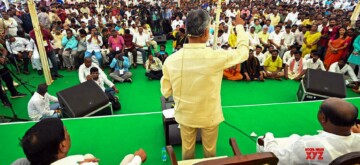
{"x": 46, "y": 37}
{"x": 330, "y": 32}
{"x": 128, "y": 40}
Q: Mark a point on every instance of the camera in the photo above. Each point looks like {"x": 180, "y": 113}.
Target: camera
{"x": 97, "y": 33}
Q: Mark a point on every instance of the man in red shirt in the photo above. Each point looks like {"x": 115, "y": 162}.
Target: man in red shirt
{"x": 327, "y": 33}
{"x": 47, "y": 37}
{"x": 129, "y": 46}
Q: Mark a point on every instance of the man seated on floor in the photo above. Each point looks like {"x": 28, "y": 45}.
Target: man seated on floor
{"x": 295, "y": 68}
{"x": 101, "y": 81}
{"x": 121, "y": 65}
{"x": 315, "y": 62}
{"x": 233, "y": 73}
{"x": 39, "y": 105}
{"x": 252, "y": 69}
{"x": 267, "y": 54}
{"x": 162, "y": 54}
{"x": 343, "y": 68}
{"x": 259, "y": 55}
{"x": 273, "y": 65}
{"x": 153, "y": 68}
{"x": 340, "y": 135}
{"x": 48, "y": 142}
{"x": 289, "y": 54}
{"x": 84, "y": 70}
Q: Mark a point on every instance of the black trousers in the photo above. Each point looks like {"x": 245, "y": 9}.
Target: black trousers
{"x": 14, "y": 59}
{"x": 6, "y": 77}
{"x": 156, "y": 75}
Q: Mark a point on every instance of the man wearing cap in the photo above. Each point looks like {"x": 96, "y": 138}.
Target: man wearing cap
{"x": 196, "y": 66}
{"x": 39, "y": 105}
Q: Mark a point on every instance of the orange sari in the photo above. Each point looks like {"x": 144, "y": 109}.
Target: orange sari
{"x": 233, "y": 73}
{"x": 332, "y": 57}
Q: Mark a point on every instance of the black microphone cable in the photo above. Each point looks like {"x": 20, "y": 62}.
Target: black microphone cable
{"x": 251, "y": 138}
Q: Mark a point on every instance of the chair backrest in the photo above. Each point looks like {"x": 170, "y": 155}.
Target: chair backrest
{"x": 172, "y": 155}
{"x": 347, "y": 159}
{"x": 259, "y": 158}
{"x": 234, "y": 146}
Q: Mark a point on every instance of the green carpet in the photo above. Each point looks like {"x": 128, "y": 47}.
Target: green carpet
{"x": 143, "y": 95}
{"x": 111, "y": 138}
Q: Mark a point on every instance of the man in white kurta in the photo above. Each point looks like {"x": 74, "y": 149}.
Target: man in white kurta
{"x": 338, "y": 118}
{"x": 343, "y": 68}
{"x": 295, "y": 67}
{"x": 199, "y": 68}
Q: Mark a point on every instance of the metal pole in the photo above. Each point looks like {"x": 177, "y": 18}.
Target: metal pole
{"x": 40, "y": 42}
{"x": 217, "y": 20}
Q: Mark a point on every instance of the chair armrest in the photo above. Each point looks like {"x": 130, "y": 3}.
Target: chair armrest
{"x": 172, "y": 155}
{"x": 234, "y": 146}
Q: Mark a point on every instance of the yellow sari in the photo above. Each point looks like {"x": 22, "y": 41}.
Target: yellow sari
{"x": 310, "y": 39}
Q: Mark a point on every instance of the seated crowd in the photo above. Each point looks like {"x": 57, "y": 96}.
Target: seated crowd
{"x": 286, "y": 38}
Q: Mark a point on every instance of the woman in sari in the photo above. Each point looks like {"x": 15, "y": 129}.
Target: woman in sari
{"x": 336, "y": 47}
{"x": 311, "y": 39}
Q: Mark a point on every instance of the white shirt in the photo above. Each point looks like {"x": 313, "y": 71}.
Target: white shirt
{"x": 296, "y": 65}
{"x": 289, "y": 39}
{"x": 346, "y": 69}
{"x": 175, "y": 23}
{"x": 84, "y": 71}
{"x": 133, "y": 31}
{"x": 291, "y": 150}
{"x": 293, "y": 17}
{"x": 254, "y": 39}
{"x": 276, "y": 38}
{"x": 315, "y": 65}
{"x": 101, "y": 81}
{"x": 19, "y": 45}
{"x": 156, "y": 66}
{"x": 140, "y": 40}
{"x": 94, "y": 45}
{"x": 39, "y": 106}
{"x": 287, "y": 56}
{"x": 307, "y": 56}
{"x": 260, "y": 57}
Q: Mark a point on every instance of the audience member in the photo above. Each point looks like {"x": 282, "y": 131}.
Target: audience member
{"x": 295, "y": 68}
{"x": 48, "y": 142}
{"x": 39, "y": 105}
{"x": 121, "y": 65}
{"x": 153, "y": 68}
{"x": 272, "y": 66}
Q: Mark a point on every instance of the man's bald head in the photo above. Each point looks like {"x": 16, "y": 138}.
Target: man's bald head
{"x": 339, "y": 112}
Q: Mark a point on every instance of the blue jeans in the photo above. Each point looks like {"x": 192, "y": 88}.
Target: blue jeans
{"x": 97, "y": 55}
{"x": 53, "y": 107}
{"x": 51, "y": 55}
{"x": 143, "y": 53}
{"x": 110, "y": 91}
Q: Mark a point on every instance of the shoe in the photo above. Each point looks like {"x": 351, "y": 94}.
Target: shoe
{"x": 59, "y": 76}
{"x": 26, "y": 72}
{"x": 6, "y": 104}
{"x": 40, "y": 72}
{"x": 128, "y": 80}
{"x": 18, "y": 95}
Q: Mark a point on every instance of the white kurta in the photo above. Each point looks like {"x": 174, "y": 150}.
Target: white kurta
{"x": 292, "y": 150}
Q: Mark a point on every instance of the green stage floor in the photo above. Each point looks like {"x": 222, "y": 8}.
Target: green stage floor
{"x": 110, "y": 138}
